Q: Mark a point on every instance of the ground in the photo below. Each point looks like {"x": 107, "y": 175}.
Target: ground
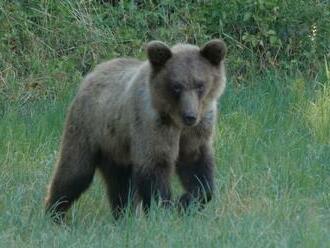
{"x": 272, "y": 178}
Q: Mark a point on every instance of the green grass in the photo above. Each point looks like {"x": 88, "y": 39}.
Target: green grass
{"x": 273, "y": 178}
{"x": 272, "y": 144}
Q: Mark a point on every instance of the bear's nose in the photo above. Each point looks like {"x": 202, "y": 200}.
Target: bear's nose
{"x": 189, "y": 119}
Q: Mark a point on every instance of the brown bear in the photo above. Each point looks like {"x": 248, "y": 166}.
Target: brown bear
{"x": 137, "y": 122}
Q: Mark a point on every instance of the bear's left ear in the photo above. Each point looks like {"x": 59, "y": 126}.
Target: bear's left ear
{"x": 214, "y": 51}
{"x": 158, "y": 53}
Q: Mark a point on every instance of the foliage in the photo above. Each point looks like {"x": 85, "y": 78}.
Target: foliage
{"x": 260, "y": 34}
{"x": 272, "y": 32}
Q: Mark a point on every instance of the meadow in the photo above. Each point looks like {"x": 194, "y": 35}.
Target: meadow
{"x": 272, "y": 145}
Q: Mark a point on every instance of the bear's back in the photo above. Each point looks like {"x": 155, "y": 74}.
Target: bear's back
{"x": 102, "y": 105}
{"x": 110, "y": 78}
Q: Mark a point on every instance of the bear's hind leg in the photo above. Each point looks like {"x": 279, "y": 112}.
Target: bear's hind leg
{"x": 118, "y": 179}
{"x": 73, "y": 175}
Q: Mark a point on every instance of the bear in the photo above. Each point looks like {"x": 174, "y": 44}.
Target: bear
{"x": 138, "y": 123}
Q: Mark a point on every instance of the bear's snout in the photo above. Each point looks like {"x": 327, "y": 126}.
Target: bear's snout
{"x": 189, "y": 118}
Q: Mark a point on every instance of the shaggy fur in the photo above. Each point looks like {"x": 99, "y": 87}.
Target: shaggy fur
{"x": 138, "y": 122}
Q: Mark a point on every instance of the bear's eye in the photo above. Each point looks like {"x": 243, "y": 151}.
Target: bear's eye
{"x": 176, "y": 88}
{"x": 200, "y": 88}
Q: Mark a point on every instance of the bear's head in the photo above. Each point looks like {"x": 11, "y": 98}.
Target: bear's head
{"x": 186, "y": 80}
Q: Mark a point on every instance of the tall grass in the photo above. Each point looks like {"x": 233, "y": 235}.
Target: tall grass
{"x": 272, "y": 180}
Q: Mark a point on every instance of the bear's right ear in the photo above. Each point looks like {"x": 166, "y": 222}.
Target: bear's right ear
{"x": 158, "y": 53}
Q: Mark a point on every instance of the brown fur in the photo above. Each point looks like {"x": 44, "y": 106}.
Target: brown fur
{"x": 137, "y": 121}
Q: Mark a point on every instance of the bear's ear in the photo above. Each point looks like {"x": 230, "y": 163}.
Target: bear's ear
{"x": 214, "y": 51}
{"x": 158, "y": 53}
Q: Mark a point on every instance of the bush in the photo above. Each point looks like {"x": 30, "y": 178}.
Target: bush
{"x": 36, "y": 35}
{"x": 271, "y": 33}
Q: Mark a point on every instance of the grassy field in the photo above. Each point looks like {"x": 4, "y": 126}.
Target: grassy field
{"x": 272, "y": 146}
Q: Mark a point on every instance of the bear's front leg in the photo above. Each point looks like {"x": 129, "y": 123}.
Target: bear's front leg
{"x": 155, "y": 147}
{"x": 195, "y": 170}
{"x": 152, "y": 183}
